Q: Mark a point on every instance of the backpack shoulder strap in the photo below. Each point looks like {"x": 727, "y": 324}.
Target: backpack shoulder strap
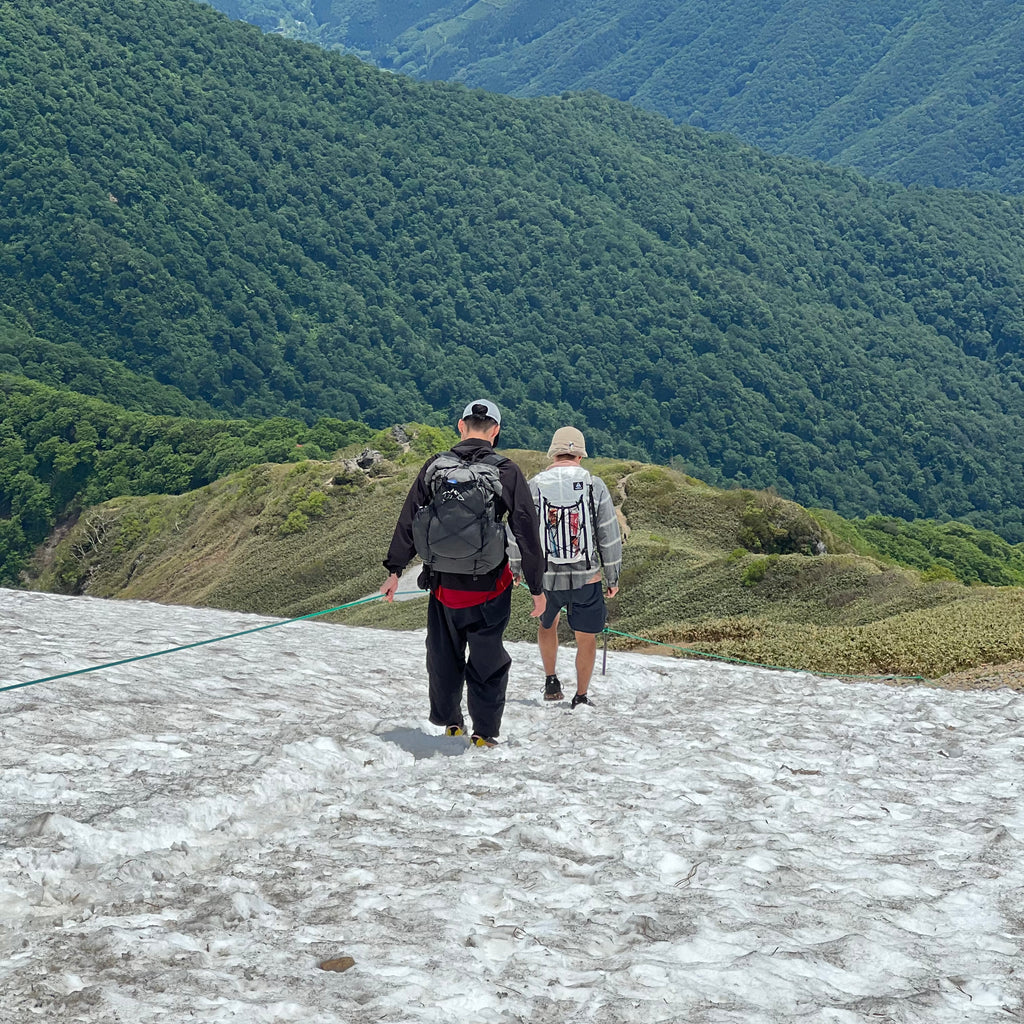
{"x": 594, "y": 519}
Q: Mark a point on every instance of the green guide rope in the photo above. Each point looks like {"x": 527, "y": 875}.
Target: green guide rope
{"x": 198, "y": 643}
{"x": 377, "y": 597}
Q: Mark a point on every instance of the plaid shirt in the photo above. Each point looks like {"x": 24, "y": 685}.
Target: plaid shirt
{"x": 609, "y": 543}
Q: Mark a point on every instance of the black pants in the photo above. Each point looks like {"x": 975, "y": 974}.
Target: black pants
{"x": 485, "y": 673}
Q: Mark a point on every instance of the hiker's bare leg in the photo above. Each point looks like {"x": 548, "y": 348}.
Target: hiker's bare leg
{"x": 586, "y": 655}
{"x": 547, "y": 641}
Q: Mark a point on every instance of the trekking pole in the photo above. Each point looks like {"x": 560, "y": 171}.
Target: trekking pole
{"x": 604, "y": 659}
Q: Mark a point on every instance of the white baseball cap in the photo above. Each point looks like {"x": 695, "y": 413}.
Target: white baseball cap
{"x": 483, "y": 407}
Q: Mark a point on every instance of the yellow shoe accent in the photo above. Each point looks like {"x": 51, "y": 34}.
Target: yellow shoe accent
{"x": 483, "y": 741}
{"x": 454, "y": 730}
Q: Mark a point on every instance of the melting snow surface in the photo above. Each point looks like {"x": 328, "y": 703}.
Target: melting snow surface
{"x": 187, "y": 838}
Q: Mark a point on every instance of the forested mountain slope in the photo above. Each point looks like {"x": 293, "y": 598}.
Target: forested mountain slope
{"x": 917, "y": 91}
{"x": 271, "y": 229}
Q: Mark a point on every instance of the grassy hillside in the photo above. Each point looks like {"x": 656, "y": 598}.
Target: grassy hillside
{"x": 61, "y": 451}
{"x": 723, "y": 572}
{"x": 919, "y": 91}
{"x": 274, "y": 230}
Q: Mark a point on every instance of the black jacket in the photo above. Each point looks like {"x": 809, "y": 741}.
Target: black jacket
{"x": 516, "y": 502}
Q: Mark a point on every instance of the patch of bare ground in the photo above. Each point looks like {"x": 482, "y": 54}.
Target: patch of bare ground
{"x": 1009, "y": 675}
{"x": 46, "y": 552}
{"x": 619, "y": 500}
{"x": 982, "y": 677}
{"x": 985, "y": 677}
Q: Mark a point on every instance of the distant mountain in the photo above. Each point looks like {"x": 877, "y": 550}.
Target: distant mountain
{"x": 924, "y": 92}
{"x": 265, "y": 228}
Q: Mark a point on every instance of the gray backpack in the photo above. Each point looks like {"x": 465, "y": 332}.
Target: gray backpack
{"x": 458, "y": 529}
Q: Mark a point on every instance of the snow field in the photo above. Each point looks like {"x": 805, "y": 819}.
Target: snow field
{"x": 188, "y": 837}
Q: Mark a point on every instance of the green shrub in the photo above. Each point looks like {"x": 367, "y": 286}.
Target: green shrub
{"x": 773, "y": 526}
{"x": 295, "y": 522}
{"x": 757, "y": 570}
{"x": 939, "y": 572}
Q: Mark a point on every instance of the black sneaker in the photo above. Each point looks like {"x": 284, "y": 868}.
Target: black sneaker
{"x": 483, "y": 741}
{"x": 552, "y": 688}
{"x": 454, "y": 730}
{"x": 581, "y": 698}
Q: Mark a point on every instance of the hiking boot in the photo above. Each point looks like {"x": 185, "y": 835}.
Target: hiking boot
{"x": 581, "y": 698}
{"x": 454, "y": 730}
{"x": 552, "y": 688}
{"x": 483, "y": 741}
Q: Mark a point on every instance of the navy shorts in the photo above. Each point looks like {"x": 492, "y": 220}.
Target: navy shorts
{"x": 587, "y": 613}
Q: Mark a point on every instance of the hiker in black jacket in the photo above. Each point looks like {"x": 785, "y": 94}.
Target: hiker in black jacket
{"x": 469, "y": 607}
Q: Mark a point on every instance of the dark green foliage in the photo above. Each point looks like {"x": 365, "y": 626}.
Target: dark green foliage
{"x": 918, "y": 91}
{"x": 71, "y": 366}
{"x": 777, "y": 527}
{"x": 61, "y": 451}
{"x": 950, "y": 550}
{"x": 272, "y": 230}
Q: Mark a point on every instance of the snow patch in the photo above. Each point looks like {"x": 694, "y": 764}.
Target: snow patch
{"x": 190, "y": 836}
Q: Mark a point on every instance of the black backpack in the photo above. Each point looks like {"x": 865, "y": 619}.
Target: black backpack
{"x": 458, "y": 529}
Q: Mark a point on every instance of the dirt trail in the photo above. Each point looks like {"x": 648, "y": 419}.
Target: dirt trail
{"x": 619, "y": 499}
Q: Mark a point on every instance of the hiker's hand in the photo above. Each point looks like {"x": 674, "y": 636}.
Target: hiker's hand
{"x": 389, "y": 588}
{"x": 540, "y": 602}
{"x": 612, "y": 591}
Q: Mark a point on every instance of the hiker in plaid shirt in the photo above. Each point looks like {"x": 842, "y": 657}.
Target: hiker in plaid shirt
{"x": 582, "y": 545}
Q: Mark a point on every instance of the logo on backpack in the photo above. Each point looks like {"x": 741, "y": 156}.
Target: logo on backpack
{"x": 458, "y": 529}
{"x": 567, "y": 515}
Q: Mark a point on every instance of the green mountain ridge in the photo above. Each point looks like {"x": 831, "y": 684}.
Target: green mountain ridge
{"x": 73, "y": 368}
{"x": 273, "y": 230}
{"x": 61, "y": 452}
{"x": 918, "y": 91}
{"x": 729, "y": 573}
